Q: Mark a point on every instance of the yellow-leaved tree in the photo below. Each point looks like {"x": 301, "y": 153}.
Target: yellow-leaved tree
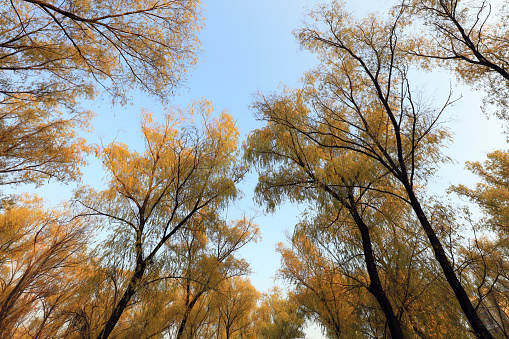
{"x": 205, "y": 256}
{"x": 279, "y": 317}
{"x": 487, "y": 253}
{"x": 468, "y": 37}
{"x": 358, "y": 132}
{"x": 61, "y": 52}
{"x": 55, "y": 55}
{"x": 184, "y": 178}
{"x": 236, "y": 303}
{"x": 41, "y": 252}
{"x": 295, "y": 167}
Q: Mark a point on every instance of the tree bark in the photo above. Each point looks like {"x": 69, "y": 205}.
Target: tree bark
{"x": 375, "y": 285}
{"x": 189, "y": 308}
{"x": 122, "y": 304}
{"x": 461, "y": 295}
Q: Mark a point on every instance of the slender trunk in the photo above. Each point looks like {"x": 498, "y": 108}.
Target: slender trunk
{"x": 122, "y": 304}
{"x": 460, "y": 293}
{"x": 183, "y": 323}
{"x": 189, "y": 308}
{"x": 375, "y": 285}
{"x": 337, "y": 329}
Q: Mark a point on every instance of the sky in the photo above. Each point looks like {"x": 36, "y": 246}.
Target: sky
{"x": 248, "y": 47}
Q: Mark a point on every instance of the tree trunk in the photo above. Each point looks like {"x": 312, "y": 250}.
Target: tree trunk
{"x": 189, "y": 308}
{"x": 122, "y": 304}
{"x": 375, "y": 285}
{"x": 461, "y": 295}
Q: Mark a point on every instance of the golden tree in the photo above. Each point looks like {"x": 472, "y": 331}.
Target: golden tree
{"x": 53, "y": 56}
{"x": 467, "y": 37}
{"x": 294, "y": 167}
{"x": 59, "y": 52}
{"x": 186, "y": 173}
{"x": 369, "y": 134}
{"x": 485, "y": 256}
{"x": 41, "y": 253}
{"x": 236, "y": 302}
{"x": 279, "y": 317}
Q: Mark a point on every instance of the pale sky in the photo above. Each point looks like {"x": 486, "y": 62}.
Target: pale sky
{"x": 248, "y": 47}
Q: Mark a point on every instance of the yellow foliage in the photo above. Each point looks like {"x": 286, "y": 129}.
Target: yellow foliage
{"x": 162, "y": 209}
{"x": 52, "y": 52}
{"x": 41, "y": 252}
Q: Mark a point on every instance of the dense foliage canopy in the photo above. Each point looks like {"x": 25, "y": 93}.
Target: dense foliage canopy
{"x": 154, "y": 254}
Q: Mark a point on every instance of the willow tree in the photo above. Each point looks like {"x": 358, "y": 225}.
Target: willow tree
{"x": 186, "y": 173}
{"x": 468, "y": 37}
{"x": 487, "y": 253}
{"x": 206, "y": 256}
{"x": 55, "y": 56}
{"x": 236, "y": 304}
{"x": 293, "y": 167}
{"x": 61, "y": 52}
{"x": 324, "y": 292}
{"x": 324, "y": 266}
{"x": 279, "y": 316}
{"x": 492, "y": 194}
{"x": 358, "y": 104}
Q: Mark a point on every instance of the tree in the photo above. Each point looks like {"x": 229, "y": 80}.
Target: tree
{"x": 280, "y": 317}
{"x": 468, "y": 37}
{"x": 296, "y": 168}
{"x": 186, "y": 173}
{"x": 329, "y": 280}
{"x": 236, "y": 303}
{"x": 59, "y": 53}
{"x": 492, "y": 194}
{"x": 40, "y": 249}
{"x": 53, "y": 56}
{"x": 35, "y": 147}
{"x": 486, "y": 255}
{"x": 359, "y": 102}
{"x": 485, "y": 263}
{"x": 207, "y": 259}
{"x": 321, "y": 289}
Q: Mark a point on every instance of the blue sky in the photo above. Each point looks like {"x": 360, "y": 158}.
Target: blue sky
{"x": 248, "y": 47}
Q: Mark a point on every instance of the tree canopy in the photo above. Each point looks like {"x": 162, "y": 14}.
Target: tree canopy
{"x": 156, "y": 251}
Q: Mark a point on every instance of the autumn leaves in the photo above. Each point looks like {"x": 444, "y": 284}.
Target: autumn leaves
{"x": 373, "y": 256}
{"x": 358, "y": 145}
